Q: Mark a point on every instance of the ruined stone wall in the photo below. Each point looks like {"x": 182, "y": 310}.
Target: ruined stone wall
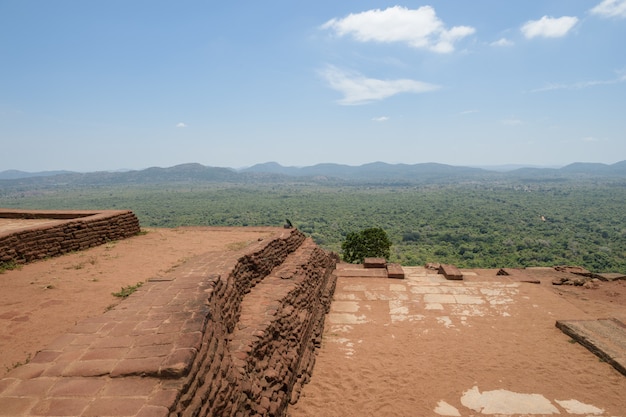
{"x": 67, "y": 232}
{"x": 252, "y": 363}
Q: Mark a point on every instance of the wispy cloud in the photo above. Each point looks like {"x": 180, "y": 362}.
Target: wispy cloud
{"x": 511, "y": 122}
{"x": 590, "y": 139}
{"x": 380, "y": 119}
{"x": 468, "y": 112}
{"x": 419, "y": 28}
{"x": 358, "y": 89}
{"x": 181, "y": 125}
{"x": 610, "y": 8}
{"x": 549, "y": 27}
{"x": 580, "y": 85}
{"x": 502, "y": 42}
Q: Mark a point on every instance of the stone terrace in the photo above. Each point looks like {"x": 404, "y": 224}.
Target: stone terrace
{"x": 193, "y": 342}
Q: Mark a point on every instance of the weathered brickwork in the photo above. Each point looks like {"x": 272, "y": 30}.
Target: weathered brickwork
{"x": 226, "y": 334}
{"x": 70, "y": 231}
{"x": 266, "y": 321}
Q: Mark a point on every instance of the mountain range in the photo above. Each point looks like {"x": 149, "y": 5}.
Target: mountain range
{"x": 376, "y": 172}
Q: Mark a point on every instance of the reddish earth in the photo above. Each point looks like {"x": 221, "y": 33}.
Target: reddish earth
{"x": 44, "y": 299}
{"x": 398, "y": 364}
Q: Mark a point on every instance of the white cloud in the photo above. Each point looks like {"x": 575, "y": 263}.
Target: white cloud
{"x": 610, "y": 8}
{"x": 502, "y": 42}
{"x": 358, "y": 89}
{"x": 590, "y": 139}
{"x": 549, "y": 27}
{"x": 181, "y": 125}
{"x": 419, "y": 28}
{"x": 580, "y": 85}
{"x": 468, "y": 112}
{"x": 380, "y": 119}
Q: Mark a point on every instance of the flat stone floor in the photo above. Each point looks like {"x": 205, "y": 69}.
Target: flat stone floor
{"x": 426, "y": 346}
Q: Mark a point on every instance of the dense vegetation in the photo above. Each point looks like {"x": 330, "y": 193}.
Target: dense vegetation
{"x": 372, "y": 242}
{"x": 481, "y": 224}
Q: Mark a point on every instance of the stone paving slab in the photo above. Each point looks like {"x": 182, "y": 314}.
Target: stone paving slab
{"x": 606, "y": 338}
{"x": 128, "y": 361}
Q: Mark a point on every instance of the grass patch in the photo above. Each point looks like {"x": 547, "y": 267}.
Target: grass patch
{"x": 8, "y": 266}
{"x": 18, "y": 364}
{"x": 237, "y": 245}
{"x": 110, "y": 245}
{"x": 92, "y": 261}
{"x": 128, "y": 290}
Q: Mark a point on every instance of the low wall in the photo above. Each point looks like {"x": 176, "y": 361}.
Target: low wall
{"x": 67, "y": 231}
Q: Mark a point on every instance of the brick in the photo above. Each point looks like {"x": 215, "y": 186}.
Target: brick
{"x": 178, "y": 363}
{"x": 105, "y": 353}
{"x": 395, "y": 271}
{"x": 169, "y": 329}
{"x": 60, "y": 407}
{"x": 83, "y": 340}
{"x": 114, "y": 406}
{"x": 28, "y": 371}
{"x": 63, "y": 361}
{"x": 14, "y": 406}
{"x": 6, "y": 383}
{"x": 194, "y": 324}
{"x": 114, "y": 342}
{"x": 153, "y": 411}
{"x": 77, "y": 387}
{"x": 87, "y": 327}
{"x": 139, "y": 366}
{"x": 37, "y": 387}
{"x": 165, "y": 398}
{"x": 44, "y": 356}
{"x": 374, "y": 263}
{"x": 153, "y": 339}
{"x": 149, "y": 351}
{"x": 451, "y": 272}
{"x": 189, "y": 340}
{"x": 129, "y": 387}
{"x": 126, "y": 328}
{"x": 148, "y": 325}
{"x": 90, "y": 368}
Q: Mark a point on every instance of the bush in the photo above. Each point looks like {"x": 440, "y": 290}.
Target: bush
{"x": 368, "y": 243}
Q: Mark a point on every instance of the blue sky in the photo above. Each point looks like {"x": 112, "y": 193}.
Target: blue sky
{"x": 105, "y": 85}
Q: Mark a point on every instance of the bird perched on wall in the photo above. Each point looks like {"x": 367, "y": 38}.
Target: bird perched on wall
{"x": 288, "y": 224}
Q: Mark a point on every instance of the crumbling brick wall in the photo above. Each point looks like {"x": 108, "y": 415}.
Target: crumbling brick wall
{"x": 260, "y": 375}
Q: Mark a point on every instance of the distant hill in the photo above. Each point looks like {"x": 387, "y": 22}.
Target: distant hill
{"x": 272, "y": 172}
{"x": 369, "y": 172}
{"x": 13, "y": 174}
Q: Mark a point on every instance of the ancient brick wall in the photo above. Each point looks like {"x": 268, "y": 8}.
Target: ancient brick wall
{"x": 68, "y": 231}
{"x": 264, "y": 322}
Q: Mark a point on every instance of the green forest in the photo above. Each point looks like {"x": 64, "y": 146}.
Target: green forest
{"x": 479, "y": 225}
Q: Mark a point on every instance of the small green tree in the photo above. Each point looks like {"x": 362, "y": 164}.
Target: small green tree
{"x": 368, "y": 243}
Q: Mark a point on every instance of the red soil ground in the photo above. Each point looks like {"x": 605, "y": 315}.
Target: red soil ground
{"x": 41, "y": 300}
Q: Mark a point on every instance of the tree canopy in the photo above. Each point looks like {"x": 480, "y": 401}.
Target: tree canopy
{"x": 368, "y": 243}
